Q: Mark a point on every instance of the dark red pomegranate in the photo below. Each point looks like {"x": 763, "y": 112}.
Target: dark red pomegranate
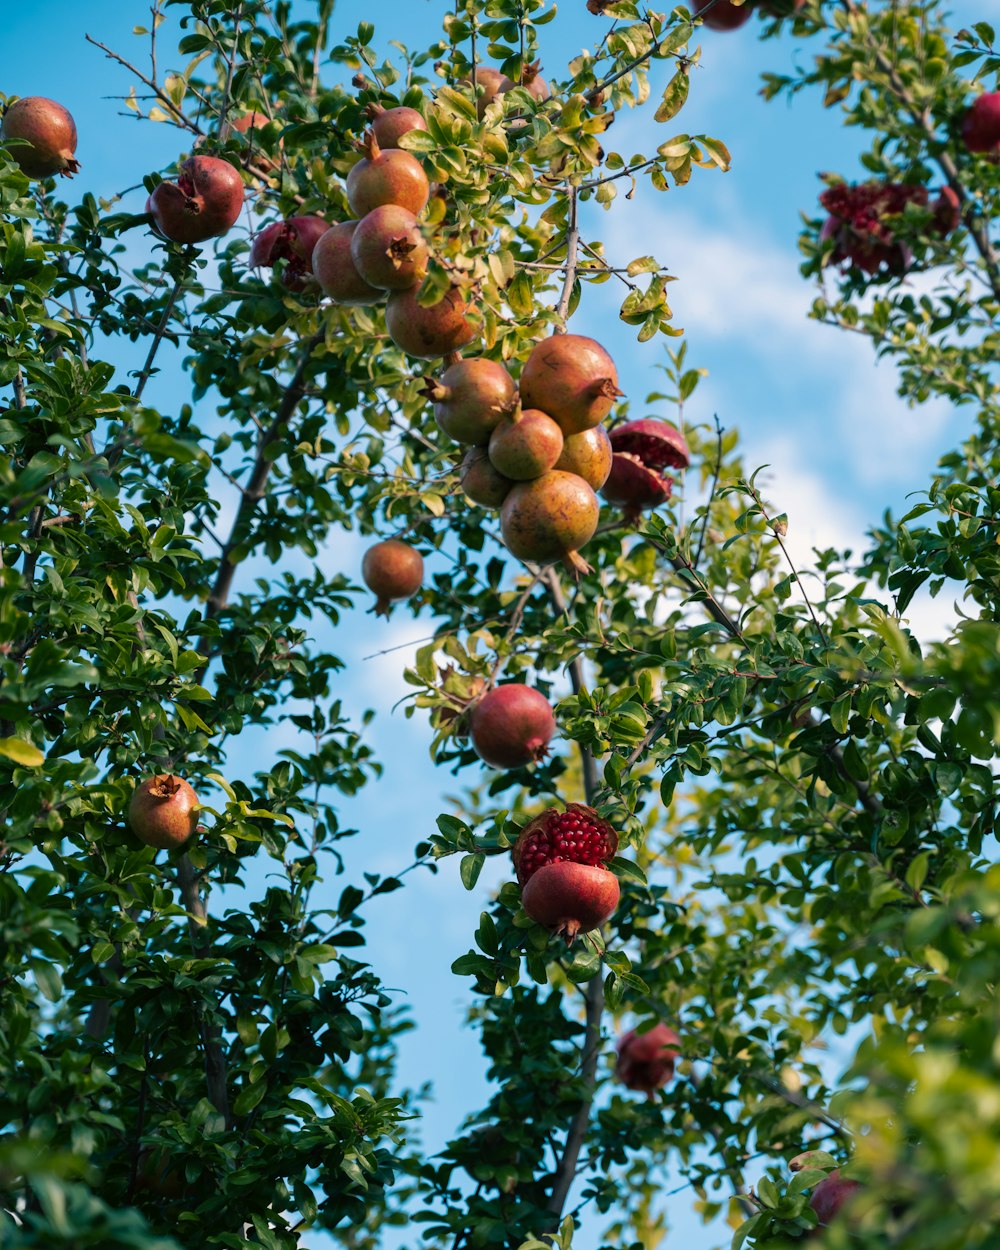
{"x": 573, "y": 379}
{"x": 481, "y": 482}
{"x": 391, "y": 177}
{"x": 588, "y": 455}
{"x": 203, "y": 203}
{"x": 388, "y": 249}
{"x": 292, "y": 241}
{"x": 50, "y": 131}
{"x": 163, "y": 811}
{"x": 861, "y": 224}
{"x": 832, "y": 1193}
{"x": 512, "y": 726}
{"x": 389, "y": 125}
{"x": 525, "y": 444}
{"x": 642, "y": 450}
{"x": 646, "y": 1060}
{"x": 981, "y": 124}
{"x": 470, "y": 398}
{"x": 947, "y": 210}
{"x": 428, "y": 332}
{"x": 550, "y": 519}
{"x": 392, "y": 570}
{"x": 723, "y": 15}
{"x": 335, "y": 271}
{"x": 560, "y": 860}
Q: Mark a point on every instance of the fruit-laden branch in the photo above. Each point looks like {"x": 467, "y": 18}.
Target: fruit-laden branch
{"x": 253, "y": 493}
{"x": 921, "y": 116}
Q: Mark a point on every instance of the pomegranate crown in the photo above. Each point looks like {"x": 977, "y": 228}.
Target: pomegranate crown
{"x": 577, "y": 835}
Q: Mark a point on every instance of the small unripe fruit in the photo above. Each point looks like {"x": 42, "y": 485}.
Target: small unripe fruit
{"x": 163, "y": 811}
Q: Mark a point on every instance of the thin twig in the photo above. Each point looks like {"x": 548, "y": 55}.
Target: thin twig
{"x": 711, "y": 493}
{"x": 572, "y": 248}
{"x": 226, "y": 90}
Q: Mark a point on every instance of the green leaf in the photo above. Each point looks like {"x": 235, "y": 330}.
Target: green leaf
{"x": 21, "y": 752}
{"x": 674, "y": 96}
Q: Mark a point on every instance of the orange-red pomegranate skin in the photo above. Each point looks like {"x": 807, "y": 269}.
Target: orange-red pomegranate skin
{"x": 49, "y": 129}
{"x": 571, "y": 898}
{"x": 163, "y": 812}
{"x": 512, "y": 726}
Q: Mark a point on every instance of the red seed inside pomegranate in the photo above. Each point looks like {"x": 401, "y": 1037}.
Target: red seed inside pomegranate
{"x": 512, "y": 726}
{"x": 50, "y": 131}
{"x": 392, "y": 570}
{"x": 573, "y": 379}
{"x": 577, "y": 834}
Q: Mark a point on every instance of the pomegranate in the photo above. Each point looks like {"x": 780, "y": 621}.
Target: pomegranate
{"x": 248, "y": 124}
{"x": 292, "y": 241}
{"x": 642, "y": 450}
{"x": 429, "y": 332}
{"x": 512, "y": 726}
{"x": 981, "y": 124}
{"x": 392, "y": 570}
{"x": 860, "y": 227}
{"x": 560, "y": 860}
{"x": 588, "y": 455}
{"x": 391, "y": 177}
{"x": 723, "y": 15}
{"x": 470, "y": 398}
{"x": 49, "y": 135}
{"x": 334, "y": 268}
{"x": 646, "y": 1060}
{"x": 573, "y": 379}
{"x": 204, "y": 201}
{"x": 947, "y": 210}
{"x": 489, "y": 81}
{"x": 163, "y": 811}
{"x": 832, "y": 1193}
{"x": 550, "y": 518}
{"x": 388, "y": 249}
{"x": 481, "y": 482}
{"x": 389, "y": 125}
{"x": 531, "y": 81}
{"x": 525, "y": 445}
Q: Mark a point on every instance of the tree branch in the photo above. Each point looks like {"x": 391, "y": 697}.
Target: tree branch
{"x": 572, "y": 249}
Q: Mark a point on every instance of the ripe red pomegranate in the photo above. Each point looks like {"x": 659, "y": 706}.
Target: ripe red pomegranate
{"x": 642, "y": 450}
{"x": 163, "y": 811}
{"x": 981, "y": 124}
{"x": 334, "y": 268}
{"x": 646, "y": 1060}
{"x": 832, "y": 1193}
{"x": 392, "y": 570}
{"x": 470, "y": 398}
{"x": 388, "y": 249}
{"x": 292, "y": 241}
{"x": 481, "y": 482}
{"x": 860, "y": 223}
{"x": 391, "y": 177}
{"x": 550, "y": 518}
{"x": 204, "y": 201}
{"x": 560, "y": 861}
{"x": 389, "y": 125}
{"x": 573, "y": 379}
{"x": 429, "y": 332}
{"x": 525, "y": 445}
{"x": 588, "y": 455}
{"x": 723, "y": 15}
{"x": 50, "y": 131}
{"x": 512, "y": 726}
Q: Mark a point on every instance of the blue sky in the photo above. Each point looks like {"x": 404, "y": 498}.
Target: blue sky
{"x": 809, "y": 401}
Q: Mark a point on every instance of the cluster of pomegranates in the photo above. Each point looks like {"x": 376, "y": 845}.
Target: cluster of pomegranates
{"x": 861, "y": 222}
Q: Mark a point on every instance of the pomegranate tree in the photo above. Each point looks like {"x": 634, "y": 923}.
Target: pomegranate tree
{"x": 560, "y": 858}
{"x": 48, "y": 135}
